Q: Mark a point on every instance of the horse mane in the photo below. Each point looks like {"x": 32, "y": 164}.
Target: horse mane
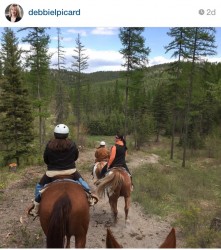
{"x": 57, "y": 228}
{"x": 113, "y": 180}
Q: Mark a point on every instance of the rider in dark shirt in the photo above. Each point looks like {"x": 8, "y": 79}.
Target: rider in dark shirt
{"x": 60, "y": 155}
{"x": 117, "y": 155}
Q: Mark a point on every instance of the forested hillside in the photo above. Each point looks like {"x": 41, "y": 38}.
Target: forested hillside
{"x": 179, "y": 99}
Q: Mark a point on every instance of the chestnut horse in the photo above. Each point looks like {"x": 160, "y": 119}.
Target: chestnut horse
{"x": 117, "y": 183}
{"x": 170, "y": 241}
{"x": 64, "y": 212}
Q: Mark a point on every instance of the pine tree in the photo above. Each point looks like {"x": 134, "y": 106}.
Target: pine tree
{"x": 135, "y": 55}
{"x": 179, "y": 47}
{"x": 38, "y": 61}
{"x": 191, "y": 45}
{"x": 79, "y": 65}
{"x": 16, "y": 126}
{"x": 200, "y": 43}
{"x": 61, "y": 95}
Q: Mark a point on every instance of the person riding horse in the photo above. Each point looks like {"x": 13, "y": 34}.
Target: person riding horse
{"x": 117, "y": 156}
{"x": 102, "y": 156}
{"x": 102, "y": 153}
{"x": 60, "y": 155}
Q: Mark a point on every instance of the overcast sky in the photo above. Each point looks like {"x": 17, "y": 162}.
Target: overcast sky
{"x": 103, "y": 44}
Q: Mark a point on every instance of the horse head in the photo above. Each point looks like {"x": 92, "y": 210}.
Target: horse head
{"x": 169, "y": 242}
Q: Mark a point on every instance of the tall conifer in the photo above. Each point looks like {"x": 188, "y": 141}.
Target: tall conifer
{"x": 38, "y": 60}
{"x": 135, "y": 58}
{"x": 16, "y": 126}
{"x": 79, "y": 65}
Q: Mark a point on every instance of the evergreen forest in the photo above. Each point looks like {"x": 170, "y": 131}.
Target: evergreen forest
{"x": 179, "y": 100}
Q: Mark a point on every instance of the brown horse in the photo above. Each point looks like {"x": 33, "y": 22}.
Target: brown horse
{"x": 170, "y": 241}
{"x": 117, "y": 183}
{"x": 64, "y": 212}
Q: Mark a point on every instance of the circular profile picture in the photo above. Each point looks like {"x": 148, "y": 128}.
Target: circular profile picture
{"x": 14, "y": 13}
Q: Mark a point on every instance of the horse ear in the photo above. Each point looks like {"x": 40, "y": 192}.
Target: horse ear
{"x": 111, "y": 241}
{"x": 170, "y": 241}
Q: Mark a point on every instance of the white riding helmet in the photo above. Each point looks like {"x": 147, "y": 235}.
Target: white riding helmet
{"x": 61, "y": 131}
{"x": 102, "y": 143}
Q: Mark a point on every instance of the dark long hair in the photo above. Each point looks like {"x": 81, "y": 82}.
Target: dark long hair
{"x": 59, "y": 144}
{"x": 121, "y": 137}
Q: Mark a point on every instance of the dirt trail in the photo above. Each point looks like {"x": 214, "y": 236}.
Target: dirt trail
{"x": 19, "y": 231}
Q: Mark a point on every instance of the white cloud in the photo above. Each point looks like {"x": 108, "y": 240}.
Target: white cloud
{"x": 214, "y": 59}
{"x": 77, "y": 31}
{"x": 24, "y": 46}
{"x": 103, "y": 60}
{"x": 159, "y": 60}
{"x": 63, "y": 39}
{"x": 104, "y": 31}
{"x": 98, "y": 60}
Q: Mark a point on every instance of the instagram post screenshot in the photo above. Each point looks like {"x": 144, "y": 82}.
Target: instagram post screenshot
{"x": 110, "y": 124}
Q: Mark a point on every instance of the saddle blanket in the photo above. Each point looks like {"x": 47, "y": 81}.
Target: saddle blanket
{"x": 58, "y": 180}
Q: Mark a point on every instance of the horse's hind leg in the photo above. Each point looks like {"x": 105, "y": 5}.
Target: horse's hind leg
{"x": 113, "y": 205}
{"x": 80, "y": 241}
{"x": 126, "y": 208}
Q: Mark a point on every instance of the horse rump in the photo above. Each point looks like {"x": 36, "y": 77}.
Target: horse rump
{"x": 111, "y": 182}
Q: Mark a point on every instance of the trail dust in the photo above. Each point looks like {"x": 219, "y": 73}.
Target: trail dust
{"x": 17, "y": 230}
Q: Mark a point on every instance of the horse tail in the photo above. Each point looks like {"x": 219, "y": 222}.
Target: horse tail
{"x": 111, "y": 181}
{"x": 58, "y": 225}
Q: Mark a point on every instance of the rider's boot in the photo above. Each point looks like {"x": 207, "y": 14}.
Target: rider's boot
{"x": 102, "y": 175}
{"x": 92, "y": 198}
{"x": 103, "y": 171}
{"x": 33, "y": 210}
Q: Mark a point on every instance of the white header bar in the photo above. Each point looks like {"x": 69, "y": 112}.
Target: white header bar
{"x": 114, "y": 13}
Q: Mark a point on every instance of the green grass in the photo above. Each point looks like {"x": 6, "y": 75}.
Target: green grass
{"x": 94, "y": 141}
{"x": 163, "y": 190}
{"x": 190, "y": 195}
{"x": 6, "y": 177}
